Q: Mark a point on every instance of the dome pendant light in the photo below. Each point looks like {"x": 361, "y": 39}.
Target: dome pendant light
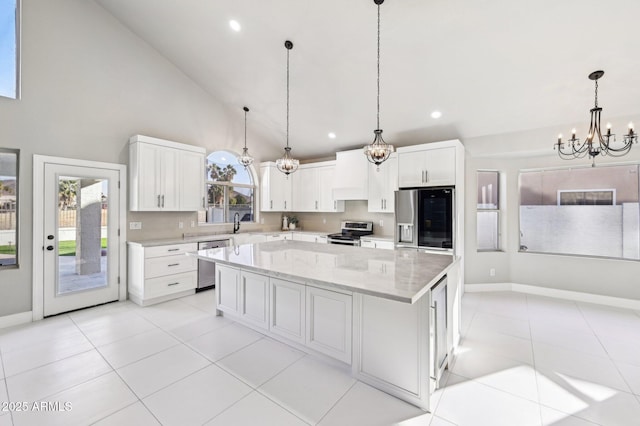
{"x": 245, "y": 159}
{"x": 378, "y": 151}
{"x": 287, "y": 164}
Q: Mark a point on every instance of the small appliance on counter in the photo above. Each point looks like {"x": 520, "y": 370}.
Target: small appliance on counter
{"x": 351, "y": 232}
{"x": 206, "y": 269}
{"x": 424, "y": 218}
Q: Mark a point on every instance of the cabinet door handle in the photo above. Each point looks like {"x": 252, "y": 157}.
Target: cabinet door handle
{"x": 335, "y": 205}
{"x": 316, "y": 205}
{"x": 173, "y": 249}
{"x": 426, "y": 176}
{"x": 384, "y": 204}
{"x": 203, "y": 206}
{"x": 381, "y": 204}
{"x": 158, "y": 200}
{"x": 285, "y": 204}
{"x": 173, "y": 264}
{"x": 169, "y": 285}
{"x": 271, "y": 204}
{"x": 163, "y": 201}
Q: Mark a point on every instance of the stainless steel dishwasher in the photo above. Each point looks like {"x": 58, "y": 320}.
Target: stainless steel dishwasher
{"x": 206, "y": 269}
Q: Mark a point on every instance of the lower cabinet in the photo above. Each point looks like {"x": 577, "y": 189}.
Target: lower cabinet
{"x": 309, "y": 316}
{"x": 254, "y": 299}
{"x": 329, "y": 323}
{"x": 379, "y": 244}
{"x": 228, "y": 289}
{"x": 287, "y": 318}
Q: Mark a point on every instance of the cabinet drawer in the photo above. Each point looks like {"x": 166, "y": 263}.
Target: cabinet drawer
{"x": 169, "y": 284}
{"x": 169, "y": 250}
{"x": 168, "y": 265}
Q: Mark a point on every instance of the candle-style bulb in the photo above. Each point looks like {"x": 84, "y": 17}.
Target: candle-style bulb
{"x": 631, "y": 128}
{"x": 608, "y": 129}
{"x": 573, "y": 133}
{"x": 559, "y": 137}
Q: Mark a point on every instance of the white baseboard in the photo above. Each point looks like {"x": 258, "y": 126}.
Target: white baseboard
{"x": 16, "y": 319}
{"x": 576, "y": 296}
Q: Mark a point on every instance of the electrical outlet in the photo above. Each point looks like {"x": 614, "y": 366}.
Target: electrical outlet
{"x": 381, "y": 222}
{"x": 180, "y": 225}
{"x": 492, "y": 272}
{"x": 135, "y": 225}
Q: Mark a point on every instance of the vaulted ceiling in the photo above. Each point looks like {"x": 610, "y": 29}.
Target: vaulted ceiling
{"x": 490, "y": 66}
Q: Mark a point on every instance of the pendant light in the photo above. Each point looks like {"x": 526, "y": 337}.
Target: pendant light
{"x": 287, "y": 164}
{"x": 596, "y": 143}
{"x": 378, "y": 151}
{"x": 245, "y": 159}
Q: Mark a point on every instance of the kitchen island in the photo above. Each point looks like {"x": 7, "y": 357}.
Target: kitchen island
{"x": 391, "y": 316}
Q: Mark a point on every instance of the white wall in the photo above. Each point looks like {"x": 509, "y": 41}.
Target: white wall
{"x": 88, "y": 84}
{"x": 510, "y": 153}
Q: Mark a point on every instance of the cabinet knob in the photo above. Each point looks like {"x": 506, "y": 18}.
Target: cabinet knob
{"x": 50, "y": 248}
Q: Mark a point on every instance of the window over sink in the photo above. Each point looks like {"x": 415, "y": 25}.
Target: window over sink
{"x": 230, "y": 189}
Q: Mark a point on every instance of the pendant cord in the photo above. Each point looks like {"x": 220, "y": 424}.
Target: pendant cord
{"x": 287, "y": 98}
{"x": 245, "y": 129}
{"x": 596, "y": 93}
{"x": 378, "y": 115}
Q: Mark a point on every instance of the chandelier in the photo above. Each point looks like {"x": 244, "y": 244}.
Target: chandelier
{"x": 595, "y": 143}
{"x": 287, "y": 164}
{"x": 245, "y": 159}
{"x": 378, "y": 151}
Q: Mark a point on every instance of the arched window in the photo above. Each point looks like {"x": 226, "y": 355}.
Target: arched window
{"x": 230, "y": 189}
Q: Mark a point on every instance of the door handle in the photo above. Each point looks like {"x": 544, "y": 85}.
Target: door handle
{"x": 50, "y": 237}
{"x": 169, "y": 285}
{"x": 158, "y": 200}
{"x": 50, "y": 248}
{"x": 173, "y": 264}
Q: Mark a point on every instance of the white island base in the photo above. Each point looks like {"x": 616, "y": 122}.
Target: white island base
{"x": 385, "y": 338}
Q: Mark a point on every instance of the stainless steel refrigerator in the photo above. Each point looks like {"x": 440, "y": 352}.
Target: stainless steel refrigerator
{"x": 425, "y": 218}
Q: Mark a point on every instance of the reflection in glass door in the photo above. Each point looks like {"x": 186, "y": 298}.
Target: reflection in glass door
{"x": 81, "y": 237}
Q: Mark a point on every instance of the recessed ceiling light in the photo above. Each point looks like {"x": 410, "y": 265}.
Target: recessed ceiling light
{"x": 235, "y": 25}
{"x": 436, "y": 114}
{"x": 331, "y": 135}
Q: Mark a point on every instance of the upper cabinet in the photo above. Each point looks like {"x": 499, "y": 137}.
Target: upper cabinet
{"x": 164, "y": 175}
{"x": 275, "y": 194}
{"x": 431, "y": 164}
{"x": 383, "y": 182}
{"x": 313, "y": 189}
{"x": 351, "y": 177}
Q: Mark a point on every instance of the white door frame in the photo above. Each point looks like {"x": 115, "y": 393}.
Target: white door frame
{"x": 39, "y": 162}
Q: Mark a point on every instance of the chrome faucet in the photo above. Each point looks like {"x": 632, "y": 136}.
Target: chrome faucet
{"x": 236, "y": 222}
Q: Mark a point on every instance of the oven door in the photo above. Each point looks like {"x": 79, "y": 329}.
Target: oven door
{"x": 343, "y": 242}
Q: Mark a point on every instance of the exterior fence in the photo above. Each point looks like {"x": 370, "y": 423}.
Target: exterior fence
{"x": 66, "y": 218}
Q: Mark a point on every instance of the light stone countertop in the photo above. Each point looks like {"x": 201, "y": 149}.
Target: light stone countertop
{"x": 404, "y": 275}
{"x": 213, "y": 237}
{"x": 377, "y": 238}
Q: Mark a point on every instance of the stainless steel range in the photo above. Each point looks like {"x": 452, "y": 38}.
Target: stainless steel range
{"x": 351, "y": 232}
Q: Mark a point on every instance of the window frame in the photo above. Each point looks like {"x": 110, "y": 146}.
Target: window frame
{"x": 16, "y": 264}
{"x": 524, "y": 249}
{"x": 496, "y": 210}
{"x": 18, "y": 38}
{"x": 226, "y": 185}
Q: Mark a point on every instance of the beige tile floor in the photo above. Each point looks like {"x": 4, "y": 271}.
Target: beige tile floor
{"x": 524, "y": 360}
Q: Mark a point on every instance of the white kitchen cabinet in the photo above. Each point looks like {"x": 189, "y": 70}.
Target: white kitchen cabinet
{"x": 160, "y": 273}
{"x": 192, "y": 196}
{"x": 422, "y": 166}
{"x": 228, "y": 289}
{"x": 287, "y": 316}
{"x": 280, "y": 236}
{"x": 310, "y": 238}
{"x": 377, "y": 244}
{"x": 313, "y": 189}
{"x": 276, "y": 189}
{"x": 351, "y": 178}
{"x": 383, "y": 182}
{"x": 164, "y": 175}
{"x": 254, "y": 297}
{"x": 328, "y": 325}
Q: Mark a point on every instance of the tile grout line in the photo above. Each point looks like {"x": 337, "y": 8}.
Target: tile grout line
{"x": 533, "y": 359}
{"x": 338, "y": 401}
{"x": 6, "y": 387}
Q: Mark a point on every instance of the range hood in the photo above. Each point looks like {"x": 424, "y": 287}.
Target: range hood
{"x": 351, "y": 178}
